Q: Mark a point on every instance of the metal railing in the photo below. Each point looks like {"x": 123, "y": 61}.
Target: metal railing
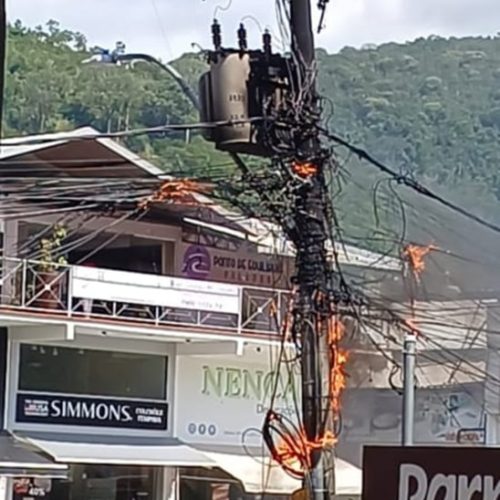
{"x": 26, "y": 285}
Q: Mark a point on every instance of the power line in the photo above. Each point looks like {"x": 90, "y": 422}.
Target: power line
{"x": 408, "y": 181}
{"x": 127, "y": 133}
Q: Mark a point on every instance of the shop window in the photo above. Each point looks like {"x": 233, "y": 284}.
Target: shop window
{"x": 93, "y": 482}
{"x": 215, "y": 484}
{"x": 92, "y": 372}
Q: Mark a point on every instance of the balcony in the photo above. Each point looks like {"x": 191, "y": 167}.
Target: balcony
{"x": 104, "y": 295}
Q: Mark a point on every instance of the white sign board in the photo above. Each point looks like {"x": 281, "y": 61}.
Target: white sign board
{"x": 224, "y": 401}
{"x": 154, "y": 290}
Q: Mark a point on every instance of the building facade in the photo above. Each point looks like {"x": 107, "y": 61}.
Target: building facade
{"x": 141, "y": 368}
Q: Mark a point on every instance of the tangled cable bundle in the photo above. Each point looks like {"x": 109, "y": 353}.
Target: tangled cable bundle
{"x": 176, "y": 191}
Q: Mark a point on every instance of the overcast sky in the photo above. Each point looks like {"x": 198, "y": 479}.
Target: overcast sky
{"x": 167, "y": 28}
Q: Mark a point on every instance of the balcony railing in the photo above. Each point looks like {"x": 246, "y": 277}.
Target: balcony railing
{"x": 97, "y": 293}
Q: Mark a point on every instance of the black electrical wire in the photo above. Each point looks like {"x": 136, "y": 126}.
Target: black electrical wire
{"x": 34, "y": 140}
{"x": 409, "y": 181}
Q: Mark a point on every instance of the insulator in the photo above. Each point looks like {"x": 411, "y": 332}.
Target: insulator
{"x": 216, "y": 35}
{"x": 267, "y": 43}
{"x": 242, "y": 37}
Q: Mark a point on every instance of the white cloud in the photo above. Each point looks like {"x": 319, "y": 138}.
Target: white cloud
{"x": 166, "y": 28}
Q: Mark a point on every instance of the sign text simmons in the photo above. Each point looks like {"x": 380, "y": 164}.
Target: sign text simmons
{"x": 93, "y": 412}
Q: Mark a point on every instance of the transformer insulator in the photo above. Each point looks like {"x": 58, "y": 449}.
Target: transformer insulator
{"x": 242, "y": 37}
{"x": 267, "y": 43}
{"x": 216, "y": 35}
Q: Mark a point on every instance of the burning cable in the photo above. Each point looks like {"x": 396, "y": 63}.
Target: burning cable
{"x": 288, "y": 443}
{"x": 176, "y": 191}
{"x": 414, "y": 255}
{"x": 338, "y": 360}
{"x": 304, "y": 170}
{"x": 294, "y": 450}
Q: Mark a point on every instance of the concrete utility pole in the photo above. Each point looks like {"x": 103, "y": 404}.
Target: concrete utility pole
{"x": 409, "y": 348}
{"x": 310, "y": 219}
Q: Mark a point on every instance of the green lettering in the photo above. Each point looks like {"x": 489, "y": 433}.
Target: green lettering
{"x": 248, "y": 384}
{"x": 288, "y": 384}
{"x": 233, "y": 383}
{"x": 212, "y": 380}
{"x": 252, "y": 385}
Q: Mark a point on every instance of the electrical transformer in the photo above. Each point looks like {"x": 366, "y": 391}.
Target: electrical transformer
{"x": 245, "y": 87}
{"x": 224, "y": 98}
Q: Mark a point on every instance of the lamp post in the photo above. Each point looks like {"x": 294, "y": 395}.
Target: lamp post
{"x": 118, "y": 56}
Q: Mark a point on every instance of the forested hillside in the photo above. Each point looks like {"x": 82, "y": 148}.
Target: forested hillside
{"x": 430, "y": 107}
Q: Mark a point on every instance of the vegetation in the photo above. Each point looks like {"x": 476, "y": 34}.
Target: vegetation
{"x": 48, "y": 89}
{"x": 50, "y": 259}
{"x": 430, "y": 107}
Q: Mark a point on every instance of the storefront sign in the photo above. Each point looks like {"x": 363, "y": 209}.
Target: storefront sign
{"x": 472, "y": 436}
{"x": 253, "y": 269}
{"x": 440, "y": 473}
{"x": 31, "y": 487}
{"x": 226, "y": 401}
{"x": 36, "y": 408}
{"x": 153, "y": 290}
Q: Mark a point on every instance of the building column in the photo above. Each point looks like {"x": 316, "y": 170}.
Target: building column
{"x": 10, "y": 242}
{"x": 6, "y": 485}
{"x": 168, "y": 488}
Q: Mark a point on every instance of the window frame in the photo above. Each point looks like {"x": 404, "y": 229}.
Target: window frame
{"x": 20, "y": 390}
{"x": 125, "y": 345}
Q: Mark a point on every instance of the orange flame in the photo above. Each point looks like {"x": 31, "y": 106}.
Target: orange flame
{"x": 415, "y": 255}
{"x": 295, "y": 450}
{"x": 411, "y": 323}
{"x": 339, "y": 357}
{"x": 177, "y": 191}
{"x": 295, "y": 453}
{"x": 304, "y": 170}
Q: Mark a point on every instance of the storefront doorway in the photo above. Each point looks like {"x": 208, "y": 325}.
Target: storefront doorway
{"x": 198, "y": 483}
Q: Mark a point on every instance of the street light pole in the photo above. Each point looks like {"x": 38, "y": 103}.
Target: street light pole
{"x": 118, "y": 57}
{"x": 168, "y": 68}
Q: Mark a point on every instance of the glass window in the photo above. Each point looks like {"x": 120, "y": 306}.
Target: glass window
{"x": 96, "y": 482}
{"x": 86, "y": 371}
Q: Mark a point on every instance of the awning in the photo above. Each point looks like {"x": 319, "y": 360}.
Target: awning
{"x": 19, "y": 459}
{"x": 259, "y": 474}
{"x": 118, "y": 450}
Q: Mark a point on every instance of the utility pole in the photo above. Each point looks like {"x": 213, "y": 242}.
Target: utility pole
{"x": 313, "y": 265}
{"x": 257, "y": 84}
{"x": 409, "y": 351}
